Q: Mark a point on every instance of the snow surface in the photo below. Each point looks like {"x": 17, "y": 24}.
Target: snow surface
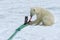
{"x": 12, "y": 13}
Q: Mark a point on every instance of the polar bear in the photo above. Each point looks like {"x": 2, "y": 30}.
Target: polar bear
{"x": 42, "y": 16}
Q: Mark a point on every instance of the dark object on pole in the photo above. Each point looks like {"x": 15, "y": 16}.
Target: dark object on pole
{"x": 26, "y": 20}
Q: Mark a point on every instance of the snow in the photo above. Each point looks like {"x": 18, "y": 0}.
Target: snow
{"x": 12, "y": 13}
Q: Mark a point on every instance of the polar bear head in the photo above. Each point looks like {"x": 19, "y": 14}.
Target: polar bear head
{"x": 34, "y": 11}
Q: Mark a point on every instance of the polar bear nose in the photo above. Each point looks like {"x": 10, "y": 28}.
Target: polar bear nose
{"x": 31, "y": 15}
{"x": 30, "y": 19}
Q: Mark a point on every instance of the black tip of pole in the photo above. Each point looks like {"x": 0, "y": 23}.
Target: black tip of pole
{"x": 26, "y": 20}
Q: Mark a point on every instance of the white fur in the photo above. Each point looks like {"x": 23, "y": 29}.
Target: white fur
{"x": 42, "y": 15}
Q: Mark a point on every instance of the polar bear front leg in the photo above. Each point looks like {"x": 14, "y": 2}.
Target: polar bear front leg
{"x": 36, "y": 22}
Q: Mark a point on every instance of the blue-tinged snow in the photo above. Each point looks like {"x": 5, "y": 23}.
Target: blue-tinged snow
{"x": 12, "y": 13}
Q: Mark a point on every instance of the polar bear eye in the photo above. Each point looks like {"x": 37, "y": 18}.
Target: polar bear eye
{"x": 33, "y": 9}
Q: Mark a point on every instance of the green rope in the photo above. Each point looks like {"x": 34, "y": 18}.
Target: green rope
{"x": 18, "y": 29}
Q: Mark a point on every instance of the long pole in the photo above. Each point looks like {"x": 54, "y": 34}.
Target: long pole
{"x": 19, "y": 28}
